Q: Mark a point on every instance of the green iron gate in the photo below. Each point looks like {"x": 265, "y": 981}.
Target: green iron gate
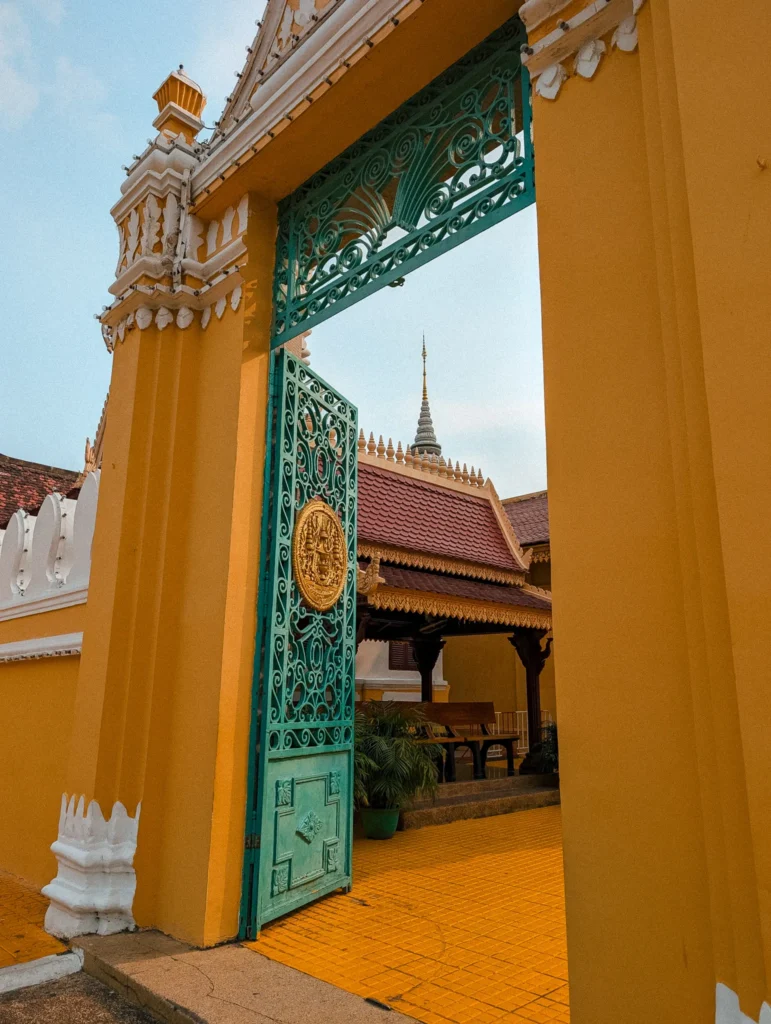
{"x": 299, "y": 818}
{"x": 453, "y": 160}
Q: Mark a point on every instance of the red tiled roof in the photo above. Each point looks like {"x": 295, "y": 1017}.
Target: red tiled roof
{"x": 530, "y": 517}
{"x": 407, "y": 512}
{"x": 25, "y": 485}
{"x": 454, "y": 586}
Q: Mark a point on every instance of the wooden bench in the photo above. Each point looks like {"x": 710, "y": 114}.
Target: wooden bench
{"x": 465, "y": 724}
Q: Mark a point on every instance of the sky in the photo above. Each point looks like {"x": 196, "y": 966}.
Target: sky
{"x": 76, "y": 85}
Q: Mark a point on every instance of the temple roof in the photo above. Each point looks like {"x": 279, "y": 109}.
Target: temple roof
{"x": 529, "y": 515}
{"x": 453, "y": 586}
{"x": 418, "y": 515}
{"x": 25, "y": 485}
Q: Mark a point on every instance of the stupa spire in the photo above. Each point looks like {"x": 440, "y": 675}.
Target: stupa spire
{"x": 425, "y": 437}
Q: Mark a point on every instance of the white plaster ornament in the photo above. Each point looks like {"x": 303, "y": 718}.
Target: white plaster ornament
{"x": 206, "y": 317}
{"x": 219, "y": 307}
{"x": 728, "y": 1011}
{"x": 144, "y": 318}
{"x": 235, "y": 298}
{"x": 185, "y": 317}
{"x": 163, "y": 318}
{"x": 588, "y": 57}
{"x": 549, "y": 82}
{"x": 93, "y": 891}
{"x": 625, "y": 36}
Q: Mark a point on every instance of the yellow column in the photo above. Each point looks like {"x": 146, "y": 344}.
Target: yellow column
{"x": 163, "y": 701}
{"x": 655, "y": 377}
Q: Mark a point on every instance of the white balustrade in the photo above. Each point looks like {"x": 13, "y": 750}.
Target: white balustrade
{"x": 45, "y": 560}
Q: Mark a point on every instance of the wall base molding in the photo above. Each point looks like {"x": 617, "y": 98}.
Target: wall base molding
{"x": 93, "y": 891}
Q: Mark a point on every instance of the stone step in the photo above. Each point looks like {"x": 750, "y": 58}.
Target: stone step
{"x": 460, "y": 808}
{"x": 486, "y": 787}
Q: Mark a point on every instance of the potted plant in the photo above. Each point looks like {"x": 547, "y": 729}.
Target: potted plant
{"x": 544, "y": 757}
{"x": 390, "y": 767}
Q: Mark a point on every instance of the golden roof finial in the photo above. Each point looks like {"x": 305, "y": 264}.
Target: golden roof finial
{"x": 180, "y": 104}
{"x": 425, "y": 389}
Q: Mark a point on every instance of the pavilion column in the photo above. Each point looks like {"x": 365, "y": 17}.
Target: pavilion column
{"x": 527, "y": 644}
{"x": 426, "y": 652}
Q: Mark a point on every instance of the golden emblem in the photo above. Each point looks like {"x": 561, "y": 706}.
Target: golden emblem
{"x": 319, "y": 556}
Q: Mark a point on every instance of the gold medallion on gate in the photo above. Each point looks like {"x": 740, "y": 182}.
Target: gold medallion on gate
{"x": 319, "y": 555}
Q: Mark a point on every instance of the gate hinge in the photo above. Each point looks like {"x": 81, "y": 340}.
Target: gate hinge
{"x": 252, "y": 841}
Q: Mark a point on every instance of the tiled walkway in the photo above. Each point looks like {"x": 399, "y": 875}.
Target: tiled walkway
{"x": 460, "y": 923}
{"x": 22, "y": 910}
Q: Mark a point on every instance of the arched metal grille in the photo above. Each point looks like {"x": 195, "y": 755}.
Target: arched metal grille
{"x": 451, "y": 161}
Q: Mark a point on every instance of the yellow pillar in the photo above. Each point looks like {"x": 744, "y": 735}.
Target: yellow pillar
{"x": 654, "y": 293}
{"x": 163, "y": 701}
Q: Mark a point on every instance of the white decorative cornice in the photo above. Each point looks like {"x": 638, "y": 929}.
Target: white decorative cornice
{"x": 61, "y": 646}
{"x": 161, "y": 306}
{"x": 57, "y": 599}
{"x": 578, "y": 36}
{"x": 326, "y": 51}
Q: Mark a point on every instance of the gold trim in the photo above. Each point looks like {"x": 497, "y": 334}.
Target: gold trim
{"x": 507, "y": 529}
{"x": 369, "y": 579}
{"x": 395, "y": 600}
{"x": 317, "y": 533}
{"x": 541, "y": 553}
{"x": 452, "y": 566}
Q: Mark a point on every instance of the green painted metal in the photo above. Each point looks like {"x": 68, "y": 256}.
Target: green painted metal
{"x": 299, "y": 813}
{"x": 450, "y": 162}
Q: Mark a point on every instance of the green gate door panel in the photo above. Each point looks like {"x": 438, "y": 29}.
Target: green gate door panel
{"x": 300, "y": 803}
{"x": 454, "y": 159}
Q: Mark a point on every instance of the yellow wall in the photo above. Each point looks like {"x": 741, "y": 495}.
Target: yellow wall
{"x": 37, "y": 698}
{"x": 488, "y": 668}
{"x": 654, "y": 293}
{"x": 653, "y": 214}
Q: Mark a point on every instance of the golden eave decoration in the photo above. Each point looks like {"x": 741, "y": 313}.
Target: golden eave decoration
{"x": 438, "y": 563}
{"x": 319, "y": 556}
{"x": 442, "y": 606}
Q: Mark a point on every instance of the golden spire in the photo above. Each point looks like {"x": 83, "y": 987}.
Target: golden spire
{"x": 425, "y": 389}
{"x": 425, "y": 442}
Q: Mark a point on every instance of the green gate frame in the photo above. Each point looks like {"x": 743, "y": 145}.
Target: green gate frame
{"x": 300, "y": 785}
{"x": 444, "y": 166}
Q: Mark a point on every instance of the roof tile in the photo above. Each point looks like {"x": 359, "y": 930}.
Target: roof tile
{"x": 530, "y": 517}
{"x": 25, "y": 485}
{"x": 454, "y": 586}
{"x": 407, "y": 512}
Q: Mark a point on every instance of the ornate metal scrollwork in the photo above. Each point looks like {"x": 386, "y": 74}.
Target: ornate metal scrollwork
{"x": 454, "y": 159}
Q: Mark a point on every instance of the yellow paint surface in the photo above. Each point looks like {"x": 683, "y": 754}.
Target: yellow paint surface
{"x": 453, "y": 923}
{"x": 37, "y": 698}
{"x": 22, "y": 911}
{"x": 488, "y": 668}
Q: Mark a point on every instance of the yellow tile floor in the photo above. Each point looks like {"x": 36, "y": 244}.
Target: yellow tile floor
{"x": 22, "y": 910}
{"x": 452, "y": 923}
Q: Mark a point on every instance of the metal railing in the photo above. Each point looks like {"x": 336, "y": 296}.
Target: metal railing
{"x": 515, "y": 721}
